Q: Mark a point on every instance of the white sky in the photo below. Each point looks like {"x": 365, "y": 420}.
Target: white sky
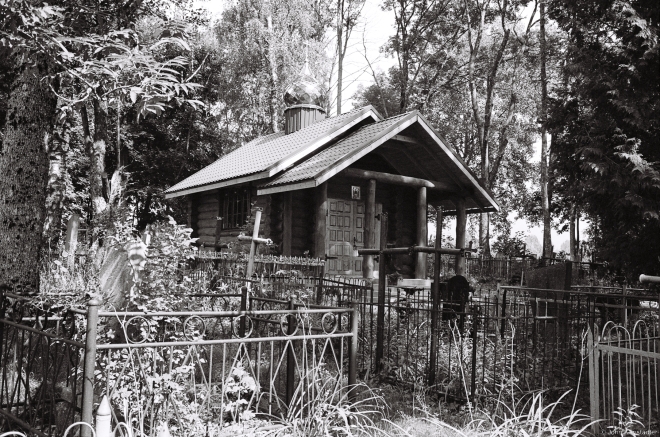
{"x": 375, "y": 27}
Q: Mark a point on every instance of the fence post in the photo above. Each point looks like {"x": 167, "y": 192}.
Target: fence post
{"x": 242, "y": 320}
{"x": 568, "y": 276}
{"x": 319, "y": 287}
{"x": 594, "y": 394}
{"x": 624, "y": 310}
{"x": 382, "y": 288}
{"x": 90, "y": 362}
{"x": 352, "y": 355}
{"x": 503, "y": 313}
{"x": 104, "y": 419}
{"x": 435, "y": 298}
{"x": 473, "y": 384}
{"x": 290, "y": 357}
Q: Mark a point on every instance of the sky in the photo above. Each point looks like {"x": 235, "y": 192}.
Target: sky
{"x": 372, "y": 32}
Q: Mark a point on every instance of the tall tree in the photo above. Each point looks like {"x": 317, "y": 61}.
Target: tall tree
{"x": 427, "y": 33}
{"x": 604, "y": 125}
{"x": 545, "y": 198}
{"x": 45, "y": 41}
{"x": 476, "y": 15}
{"x": 24, "y": 168}
{"x": 348, "y": 13}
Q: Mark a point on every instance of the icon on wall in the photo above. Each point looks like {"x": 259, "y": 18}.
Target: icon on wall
{"x": 355, "y": 192}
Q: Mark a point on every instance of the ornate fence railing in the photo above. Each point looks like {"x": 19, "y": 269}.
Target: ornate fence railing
{"x": 515, "y": 338}
{"x": 624, "y": 367}
{"x": 185, "y": 370}
{"x": 40, "y": 368}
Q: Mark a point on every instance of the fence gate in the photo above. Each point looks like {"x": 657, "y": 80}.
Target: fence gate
{"x": 624, "y": 366}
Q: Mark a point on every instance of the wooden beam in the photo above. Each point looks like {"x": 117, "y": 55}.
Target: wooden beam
{"x": 439, "y": 216}
{"x": 422, "y": 232}
{"x": 253, "y": 245}
{"x": 321, "y": 216}
{"x": 396, "y": 179}
{"x": 369, "y": 229}
{"x": 461, "y": 221}
{"x": 405, "y": 139}
{"x": 257, "y": 240}
{"x": 287, "y": 219}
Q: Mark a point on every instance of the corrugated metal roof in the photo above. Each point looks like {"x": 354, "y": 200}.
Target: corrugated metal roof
{"x": 265, "y": 152}
{"x": 316, "y": 164}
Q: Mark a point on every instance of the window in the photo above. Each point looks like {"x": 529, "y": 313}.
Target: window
{"x": 235, "y": 208}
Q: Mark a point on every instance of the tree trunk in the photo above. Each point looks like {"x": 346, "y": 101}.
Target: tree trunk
{"x": 340, "y": 52}
{"x": 545, "y": 199}
{"x": 56, "y": 182}
{"x": 571, "y": 237}
{"x": 274, "y": 97}
{"x": 98, "y": 180}
{"x": 24, "y": 169}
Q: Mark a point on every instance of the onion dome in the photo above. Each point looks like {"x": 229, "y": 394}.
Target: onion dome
{"x": 305, "y": 91}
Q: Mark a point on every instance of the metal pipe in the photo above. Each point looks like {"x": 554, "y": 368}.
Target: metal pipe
{"x": 352, "y": 355}
{"x": 323, "y": 336}
{"x": 90, "y": 363}
{"x": 382, "y": 288}
{"x": 435, "y": 298}
{"x": 290, "y": 356}
{"x": 411, "y": 249}
{"x": 646, "y": 279}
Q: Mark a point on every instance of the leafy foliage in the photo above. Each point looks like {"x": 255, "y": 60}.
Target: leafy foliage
{"x": 605, "y": 126}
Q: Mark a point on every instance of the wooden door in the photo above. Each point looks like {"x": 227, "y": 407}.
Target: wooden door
{"x": 345, "y": 232}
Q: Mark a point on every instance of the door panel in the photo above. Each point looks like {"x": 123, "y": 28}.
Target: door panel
{"x": 345, "y": 231}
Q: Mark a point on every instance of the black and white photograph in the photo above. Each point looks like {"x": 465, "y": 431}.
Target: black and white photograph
{"x": 329, "y": 218}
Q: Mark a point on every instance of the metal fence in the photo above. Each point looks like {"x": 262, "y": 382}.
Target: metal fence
{"x": 244, "y": 355}
{"x": 514, "y": 338}
{"x": 233, "y": 264}
{"x": 41, "y": 368}
{"x": 624, "y": 366}
{"x": 470, "y": 347}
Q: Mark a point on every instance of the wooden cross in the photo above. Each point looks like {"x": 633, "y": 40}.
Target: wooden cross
{"x": 254, "y": 239}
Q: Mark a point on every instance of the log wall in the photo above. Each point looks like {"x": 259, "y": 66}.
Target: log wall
{"x": 206, "y": 207}
{"x": 398, "y": 201}
{"x": 203, "y": 212}
{"x": 302, "y": 222}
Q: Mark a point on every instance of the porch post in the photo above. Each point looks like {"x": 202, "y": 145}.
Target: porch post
{"x": 369, "y": 228}
{"x": 321, "y": 217}
{"x": 461, "y": 219}
{"x": 422, "y": 233}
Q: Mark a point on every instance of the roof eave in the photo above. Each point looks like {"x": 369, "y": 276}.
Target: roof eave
{"x": 216, "y": 185}
{"x": 485, "y": 192}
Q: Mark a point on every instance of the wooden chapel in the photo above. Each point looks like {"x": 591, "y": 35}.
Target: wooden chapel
{"x": 322, "y": 181}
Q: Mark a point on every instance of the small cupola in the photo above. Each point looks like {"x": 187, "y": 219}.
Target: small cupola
{"x": 304, "y": 100}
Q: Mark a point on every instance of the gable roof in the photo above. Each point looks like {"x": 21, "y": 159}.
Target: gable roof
{"x": 266, "y": 156}
{"x": 329, "y": 160}
{"x": 325, "y": 164}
